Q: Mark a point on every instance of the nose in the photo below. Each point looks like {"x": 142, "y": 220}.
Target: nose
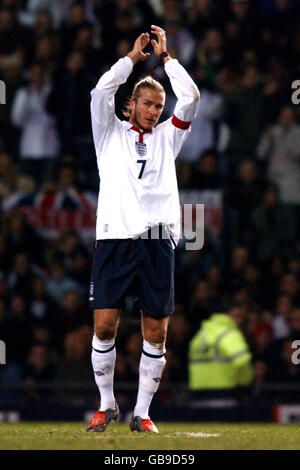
{"x": 153, "y": 111}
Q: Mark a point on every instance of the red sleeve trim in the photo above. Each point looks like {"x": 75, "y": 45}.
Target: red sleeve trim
{"x": 180, "y": 124}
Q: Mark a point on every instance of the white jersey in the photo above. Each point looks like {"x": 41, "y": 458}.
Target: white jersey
{"x": 138, "y": 185}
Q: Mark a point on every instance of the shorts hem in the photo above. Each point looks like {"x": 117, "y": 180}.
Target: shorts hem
{"x": 92, "y": 307}
{"x": 156, "y": 314}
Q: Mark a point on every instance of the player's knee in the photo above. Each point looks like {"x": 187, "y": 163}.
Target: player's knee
{"x": 105, "y": 324}
{"x": 105, "y": 331}
{"x": 155, "y": 335}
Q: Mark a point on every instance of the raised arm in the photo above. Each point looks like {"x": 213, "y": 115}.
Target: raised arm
{"x": 103, "y": 95}
{"x": 185, "y": 89}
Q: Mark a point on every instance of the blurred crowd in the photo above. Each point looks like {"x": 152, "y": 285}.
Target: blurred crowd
{"x": 245, "y": 142}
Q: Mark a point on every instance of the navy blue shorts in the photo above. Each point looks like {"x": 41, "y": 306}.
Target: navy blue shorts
{"x": 145, "y": 265}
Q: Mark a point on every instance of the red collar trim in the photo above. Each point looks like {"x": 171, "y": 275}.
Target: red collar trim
{"x": 141, "y": 133}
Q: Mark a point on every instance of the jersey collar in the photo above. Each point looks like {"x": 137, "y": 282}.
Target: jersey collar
{"x": 136, "y": 129}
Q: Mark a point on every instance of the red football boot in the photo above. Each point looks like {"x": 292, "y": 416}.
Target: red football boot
{"x": 142, "y": 425}
{"x": 101, "y": 419}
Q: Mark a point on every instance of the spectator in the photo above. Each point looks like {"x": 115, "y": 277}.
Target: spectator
{"x": 203, "y": 15}
{"x": 243, "y": 18}
{"x": 12, "y": 41}
{"x": 279, "y": 146}
{"x": 58, "y": 283}
{"x": 203, "y": 304}
{"x": 178, "y": 339}
{"x": 262, "y": 338}
{"x": 246, "y": 113}
{"x": 273, "y": 227}
{"x": 15, "y": 331}
{"x": 211, "y": 55}
{"x": 72, "y": 315}
{"x": 75, "y": 22}
{"x": 40, "y": 306}
{"x": 219, "y": 357}
{"x": 289, "y": 285}
{"x": 205, "y": 174}
{"x": 75, "y": 368}
{"x": 39, "y": 145}
{"x": 69, "y": 102}
{"x": 180, "y": 40}
{"x": 240, "y": 257}
{"x": 83, "y": 42}
{"x": 281, "y": 320}
{"x": 21, "y": 237}
{"x": 38, "y": 370}
{"x": 294, "y": 323}
{"x": 11, "y": 180}
{"x": 21, "y": 275}
{"x": 208, "y": 130}
{"x": 246, "y": 193}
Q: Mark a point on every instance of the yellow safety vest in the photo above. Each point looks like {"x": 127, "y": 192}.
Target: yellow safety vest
{"x": 219, "y": 357}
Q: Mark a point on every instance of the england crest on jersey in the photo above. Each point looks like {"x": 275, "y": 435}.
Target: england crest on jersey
{"x": 141, "y": 148}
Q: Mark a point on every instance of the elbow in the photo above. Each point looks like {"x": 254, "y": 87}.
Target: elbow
{"x": 196, "y": 94}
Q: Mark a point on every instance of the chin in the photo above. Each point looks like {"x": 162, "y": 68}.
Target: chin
{"x": 149, "y": 127}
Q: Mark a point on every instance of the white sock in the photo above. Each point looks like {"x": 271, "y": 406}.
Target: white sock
{"x": 152, "y": 364}
{"x": 103, "y": 362}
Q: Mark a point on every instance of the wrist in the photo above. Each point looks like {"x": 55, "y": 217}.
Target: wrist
{"x": 133, "y": 57}
{"x": 164, "y": 57}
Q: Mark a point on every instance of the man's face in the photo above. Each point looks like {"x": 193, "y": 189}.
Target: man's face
{"x": 238, "y": 316}
{"x": 286, "y": 116}
{"x": 146, "y": 111}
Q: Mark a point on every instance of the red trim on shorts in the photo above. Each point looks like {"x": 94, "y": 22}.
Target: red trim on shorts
{"x": 180, "y": 124}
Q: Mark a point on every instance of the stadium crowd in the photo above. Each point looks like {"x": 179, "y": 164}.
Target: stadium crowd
{"x": 245, "y": 142}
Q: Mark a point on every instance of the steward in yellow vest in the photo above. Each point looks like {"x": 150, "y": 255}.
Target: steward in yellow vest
{"x": 219, "y": 356}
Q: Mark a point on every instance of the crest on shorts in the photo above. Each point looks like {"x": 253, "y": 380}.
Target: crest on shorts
{"x": 141, "y": 148}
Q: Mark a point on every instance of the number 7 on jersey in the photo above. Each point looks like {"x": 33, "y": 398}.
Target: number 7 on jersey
{"x": 143, "y": 162}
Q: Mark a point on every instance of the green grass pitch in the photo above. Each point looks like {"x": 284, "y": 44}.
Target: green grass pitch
{"x": 172, "y": 436}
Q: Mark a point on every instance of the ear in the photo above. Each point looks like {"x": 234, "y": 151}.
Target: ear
{"x": 131, "y": 103}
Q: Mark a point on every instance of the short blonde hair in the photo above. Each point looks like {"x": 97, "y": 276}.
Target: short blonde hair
{"x": 147, "y": 82}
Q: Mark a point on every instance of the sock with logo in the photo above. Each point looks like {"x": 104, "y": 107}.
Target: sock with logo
{"x": 152, "y": 364}
{"x": 103, "y": 362}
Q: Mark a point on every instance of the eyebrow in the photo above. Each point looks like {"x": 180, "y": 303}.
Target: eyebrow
{"x": 152, "y": 102}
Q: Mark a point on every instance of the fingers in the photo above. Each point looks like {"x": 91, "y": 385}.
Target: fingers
{"x": 159, "y": 32}
{"x": 142, "y": 40}
{"x": 157, "y": 28}
{"x": 145, "y": 56}
{"x": 154, "y": 43}
{"x": 143, "y": 35}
